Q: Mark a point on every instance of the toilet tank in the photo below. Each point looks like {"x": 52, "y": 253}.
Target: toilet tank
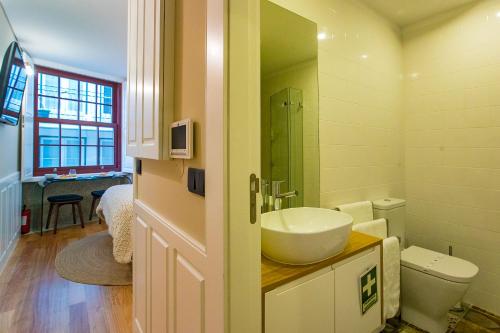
{"x": 393, "y": 210}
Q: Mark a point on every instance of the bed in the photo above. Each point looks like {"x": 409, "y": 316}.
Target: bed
{"x": 116, "y": 208}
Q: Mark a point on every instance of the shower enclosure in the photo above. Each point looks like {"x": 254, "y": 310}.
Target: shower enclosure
{"x": 286, "y": 142}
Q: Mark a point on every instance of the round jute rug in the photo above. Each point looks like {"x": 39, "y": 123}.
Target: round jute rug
{"x": 90, "y": 260}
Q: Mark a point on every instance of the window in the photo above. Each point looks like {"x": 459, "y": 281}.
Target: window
{"x": 77, "y": 123}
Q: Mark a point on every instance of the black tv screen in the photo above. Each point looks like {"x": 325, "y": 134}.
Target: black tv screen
{"x": 179, "y": 137}
{"x": 12, "y": 84}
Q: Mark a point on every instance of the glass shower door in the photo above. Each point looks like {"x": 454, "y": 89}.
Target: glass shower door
{"x": 287, "y": 143}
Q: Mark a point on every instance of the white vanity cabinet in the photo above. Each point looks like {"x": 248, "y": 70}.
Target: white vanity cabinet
{"x": 326, "y": 301}
{"x": 348, "y": 316}
{"x": 150, "y": 79}
{"x": 302, "y": 306}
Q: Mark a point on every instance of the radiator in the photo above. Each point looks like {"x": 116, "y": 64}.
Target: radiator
{"x": 10, "y": 215}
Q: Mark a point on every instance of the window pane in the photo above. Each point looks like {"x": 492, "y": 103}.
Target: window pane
{"x": 13, "y": 100}
{"x": 69, "y": 110}
{"x": 104, "y": 95}
{"x": 106, "y": 136}
{"x": 47, "y": 107}
{"x": 17, "y": 78}
{"x": 70, "y": 134}
{"x": 70, "y": 156}
{"x": 107, "y": 156}
{"x": 69, "y": 88}
{"x": 87, "y": 111}
{"x": 48, "y": 134}
{"x": 49, "y": 156}
{"x": 89, "y": 135}
{"x": 89, "y": 155}
{"x": 48, "y": 85}
{"x": 104, "y": 113}
{"x": 87, "y": 92}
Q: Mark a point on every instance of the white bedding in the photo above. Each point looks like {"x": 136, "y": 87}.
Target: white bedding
{"x": 116, "y": 208}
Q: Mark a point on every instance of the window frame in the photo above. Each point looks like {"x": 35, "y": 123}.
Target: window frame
{"x": 115, "y": 124}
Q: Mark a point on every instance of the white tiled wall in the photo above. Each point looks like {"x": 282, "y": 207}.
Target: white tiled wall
{"x": 360, "y": 126}
{"x": 452, "y": 113}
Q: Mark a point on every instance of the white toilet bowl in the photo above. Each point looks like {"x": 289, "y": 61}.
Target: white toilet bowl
{"x": 431, "y": 283}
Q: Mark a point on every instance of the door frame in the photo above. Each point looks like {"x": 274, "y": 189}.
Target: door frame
{"x": 216, "y": 165}
{"x": 243, "y": 286}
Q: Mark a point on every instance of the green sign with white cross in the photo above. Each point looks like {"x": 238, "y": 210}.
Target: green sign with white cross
{"x": 368, "y": 289}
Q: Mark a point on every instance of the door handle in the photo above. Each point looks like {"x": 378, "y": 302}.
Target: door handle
{"x": 254, "y": 189}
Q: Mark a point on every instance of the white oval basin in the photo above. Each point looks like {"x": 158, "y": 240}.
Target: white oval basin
{"x": 300, "y": 236}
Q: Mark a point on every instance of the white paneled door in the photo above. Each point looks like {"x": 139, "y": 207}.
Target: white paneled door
{"x": 141, "y": 275}
{"x": 170, "y": 277}
{"x": 179, "y": 284}
{"x": 159, "y": 283}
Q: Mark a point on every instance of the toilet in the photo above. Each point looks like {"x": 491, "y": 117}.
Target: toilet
{"x": 431, "y": 282}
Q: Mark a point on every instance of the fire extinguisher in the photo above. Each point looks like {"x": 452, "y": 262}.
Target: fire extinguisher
{"x": 26, "y": 216}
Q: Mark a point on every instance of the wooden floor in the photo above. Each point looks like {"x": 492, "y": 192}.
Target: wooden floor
{"x": 33, "y": 298}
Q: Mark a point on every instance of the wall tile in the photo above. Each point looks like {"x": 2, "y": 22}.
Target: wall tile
{"x": 452, "y": 148}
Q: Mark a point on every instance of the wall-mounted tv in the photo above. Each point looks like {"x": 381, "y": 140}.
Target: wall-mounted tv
{"x": 12, "y": 83}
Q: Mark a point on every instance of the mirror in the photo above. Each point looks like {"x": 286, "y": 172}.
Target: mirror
{"x": 289, "y": 109}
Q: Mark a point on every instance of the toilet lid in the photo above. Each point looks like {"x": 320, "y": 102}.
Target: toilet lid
{"x": 438, "y": 264}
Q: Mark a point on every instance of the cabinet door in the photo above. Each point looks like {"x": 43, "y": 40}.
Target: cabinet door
{"x": 150, "y": 76}
{"x": 302, "y": 306}
{"x": 132, "y": 40}
{"x": 150, "y": 120}
{"x": 347, "y": 296}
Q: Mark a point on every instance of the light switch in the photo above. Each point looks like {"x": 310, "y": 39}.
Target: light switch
{"x": 196, "y": 181}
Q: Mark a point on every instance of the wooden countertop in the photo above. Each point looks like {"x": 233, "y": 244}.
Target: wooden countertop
{"x": 275, "y": 274}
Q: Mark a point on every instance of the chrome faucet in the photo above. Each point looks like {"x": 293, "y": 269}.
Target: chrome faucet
{"x": 278, "y": 196}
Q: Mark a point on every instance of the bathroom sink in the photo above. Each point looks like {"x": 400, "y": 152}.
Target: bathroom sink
{"x": 300, "y": 236}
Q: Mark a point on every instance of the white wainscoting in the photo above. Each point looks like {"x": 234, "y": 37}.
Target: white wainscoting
{"x": 10, "y": 215}
{"x": 170, "y": 270}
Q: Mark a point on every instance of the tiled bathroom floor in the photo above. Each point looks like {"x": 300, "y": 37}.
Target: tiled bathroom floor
{"x": 472, "y": 320}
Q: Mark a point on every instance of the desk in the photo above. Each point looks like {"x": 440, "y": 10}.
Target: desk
{"x": 44, "y": 183}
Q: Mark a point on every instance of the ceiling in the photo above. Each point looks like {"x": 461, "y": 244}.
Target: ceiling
{"x": 405, "y": 12}
{"x": 286, "y": 38}
{"x": 90, "y": 35}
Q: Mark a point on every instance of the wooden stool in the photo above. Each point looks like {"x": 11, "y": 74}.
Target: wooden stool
{"x": 96, "y": 195}
{"x": 61, "y": 200}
